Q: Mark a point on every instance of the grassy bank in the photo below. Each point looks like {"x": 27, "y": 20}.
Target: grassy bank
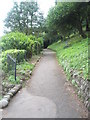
{"x": 73, "y": 54}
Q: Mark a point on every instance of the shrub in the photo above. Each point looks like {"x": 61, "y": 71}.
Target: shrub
{"x": 13, "y": 40}
{"x": 36, "y": 47}
{"x": 16, "y": 40}
{"x": 40, "y": 40}
{"x": 19, "y": 55}
{"x": 37, "y": 44}
{"x": 12, "y": 79}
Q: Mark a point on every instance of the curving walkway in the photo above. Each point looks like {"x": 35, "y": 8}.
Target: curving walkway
{"x": 46, "y": 94}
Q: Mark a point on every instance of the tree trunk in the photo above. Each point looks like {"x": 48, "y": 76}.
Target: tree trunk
{"x": 27, "y": 30}
{"x": 31, "y": 22}
{"x": 61, "y": 38}
{"x": 81, "y": 30}
{"x": 87, "y": 25}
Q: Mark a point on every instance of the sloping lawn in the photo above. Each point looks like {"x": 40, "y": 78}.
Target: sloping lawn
{"x": 73, "y": 57}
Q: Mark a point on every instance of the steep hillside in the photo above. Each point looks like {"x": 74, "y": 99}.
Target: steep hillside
{"x": 73, "y": 54}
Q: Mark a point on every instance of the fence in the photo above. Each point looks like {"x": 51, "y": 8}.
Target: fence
{"x": 11, "y": 65}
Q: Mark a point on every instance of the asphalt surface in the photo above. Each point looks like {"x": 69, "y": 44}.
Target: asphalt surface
{"x": 46, "y": 94}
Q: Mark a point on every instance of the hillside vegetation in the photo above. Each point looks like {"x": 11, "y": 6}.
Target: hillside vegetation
{"x": 22, "y": 48}
{"x": 73, "y": 54}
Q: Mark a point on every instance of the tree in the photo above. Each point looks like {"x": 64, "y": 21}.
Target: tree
{"x": 78, "y": 15}
{"x": 88, "y": 17}
{"x": 40, "y": 27}
{"x": 13, "y": 19}
{"x": 66, "y": 18}
{"x": 24, "y": 17}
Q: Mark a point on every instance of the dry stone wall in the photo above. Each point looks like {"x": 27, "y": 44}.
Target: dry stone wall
{"x": 82, "y": 87}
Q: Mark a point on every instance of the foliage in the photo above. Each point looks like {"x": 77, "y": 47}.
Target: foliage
{"x": 19, "y": 55}
{"x": 16, "y": 40}
{"x": 13, "y": 40}
{"x": 25, "y": 66}
{"x": 22, "y": 71}
{"x": 73, "y": 57}
{"x": 12, "y": 79}
{"x": 40, "y": 40}
{"x": 67, "y": 18}
{"x": 24, "y": 17}
{"x": 73, "y": 82}
{"x": 36, "y": 45}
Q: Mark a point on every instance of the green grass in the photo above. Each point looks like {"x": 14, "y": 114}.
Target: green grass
{"x": 25, "y": 66}
{"x": 75, "y": 56}
{"x": 22, "y": 72}
{"x": 11, "y": 79}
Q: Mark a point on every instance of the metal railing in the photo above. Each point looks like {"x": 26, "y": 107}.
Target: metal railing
{"x": 11, "y": 63}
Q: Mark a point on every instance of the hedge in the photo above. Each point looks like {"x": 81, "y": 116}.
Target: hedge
{"x": 17, "y": 40}
{"x": 19, "y": 55}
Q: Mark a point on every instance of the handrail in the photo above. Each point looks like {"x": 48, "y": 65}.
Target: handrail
{"x": 14, "y": 60}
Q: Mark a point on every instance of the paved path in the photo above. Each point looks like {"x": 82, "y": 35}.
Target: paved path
{"x": 46, "y": 94}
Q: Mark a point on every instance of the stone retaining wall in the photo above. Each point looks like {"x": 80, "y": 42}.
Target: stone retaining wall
{"x": 82, "y": 87}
